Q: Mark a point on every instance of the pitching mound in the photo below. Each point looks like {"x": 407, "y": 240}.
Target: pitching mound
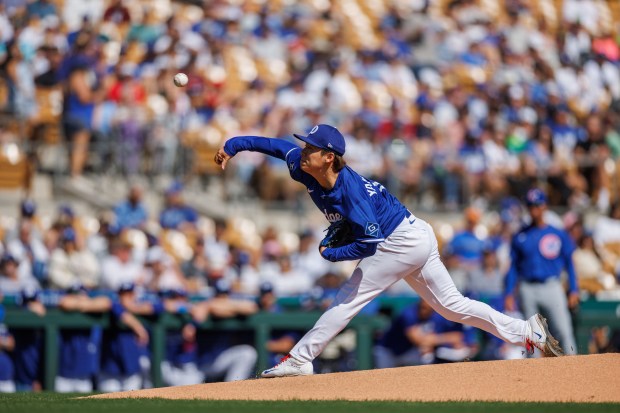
{"x": 594, "y": 378}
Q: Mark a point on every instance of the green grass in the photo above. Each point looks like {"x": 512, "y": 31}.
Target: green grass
{"x": 52, "y": 403}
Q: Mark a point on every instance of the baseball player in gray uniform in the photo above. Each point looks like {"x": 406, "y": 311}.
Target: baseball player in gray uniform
{"x": 371, "y": 225}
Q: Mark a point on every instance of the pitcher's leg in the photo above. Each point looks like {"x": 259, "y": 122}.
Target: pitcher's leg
{"x": 434, "y": 284}
{"x": 358, "y": 291}
{"x": 372, "y": 276}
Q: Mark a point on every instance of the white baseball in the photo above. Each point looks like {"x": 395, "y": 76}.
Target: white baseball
{"x": 180, "y": 79}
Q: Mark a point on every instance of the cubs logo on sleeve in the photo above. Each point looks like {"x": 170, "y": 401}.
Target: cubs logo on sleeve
{"x": 550, "y": 246}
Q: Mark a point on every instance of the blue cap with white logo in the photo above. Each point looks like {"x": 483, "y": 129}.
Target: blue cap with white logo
{"x": 325, "y": 137}
{"x": 535, "y": 197}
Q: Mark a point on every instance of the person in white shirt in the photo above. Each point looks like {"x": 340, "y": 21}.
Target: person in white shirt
{"x": 162, "y": 273}
{"x": 10, "y": 281}
{"x": 118, "y": 267}
{"x": 28, "y": 250}
{"x": 70, "y": 266}
{"x": 288, "y": 281}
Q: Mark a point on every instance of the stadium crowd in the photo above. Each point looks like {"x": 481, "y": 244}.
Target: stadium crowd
{"x": 448, "y": 103}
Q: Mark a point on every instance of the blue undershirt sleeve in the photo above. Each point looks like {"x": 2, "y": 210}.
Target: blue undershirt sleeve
{"x": 354, "y": 251}
{"x": 278, "y": 148}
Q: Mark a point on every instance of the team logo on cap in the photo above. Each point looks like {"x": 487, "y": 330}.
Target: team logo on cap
{"x": 550, "y": 246}
{"x": 316, "y": 128}
{"x": 372, "y": 229}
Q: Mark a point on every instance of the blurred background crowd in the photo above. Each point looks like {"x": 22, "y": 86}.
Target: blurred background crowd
{"x": 457, "y": 106}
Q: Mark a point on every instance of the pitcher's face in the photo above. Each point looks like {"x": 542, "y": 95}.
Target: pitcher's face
{"x": 312, "y": 159}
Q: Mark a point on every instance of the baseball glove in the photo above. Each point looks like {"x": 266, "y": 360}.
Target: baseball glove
{"x": 338, "y": 234}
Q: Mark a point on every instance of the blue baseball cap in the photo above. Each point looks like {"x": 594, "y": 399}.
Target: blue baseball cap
{"x": 222, "y": 286}
{"x": 266, "y": 287}
{"x": 8, "y": 257}
{"x": 126, "y": 287}
{"x": 325, "y": 137}
{"x": 28, "y": 208}
{"x": 29, "y": 294}
{"x": 174, "y": 188}
{"x": 68, "y": 235}
{"x": 535, "y": 197}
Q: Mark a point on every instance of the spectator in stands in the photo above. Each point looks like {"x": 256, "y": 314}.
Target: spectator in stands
{"x": 66, "y": 217}
{"x": 308, "y": 256}
{"x": 41, "y": 9}
{"x": 286, "y": 280}
{"x": 488, "y": 280}
{"x": 216, "y": 244}
{"x": 32, "y": 255}
{"x": 466, "y": 245}
{"x": 99, "y": 242}
{"x": 117, "y": 13}
{"x": 70, "y": 265}
{"x": 131, "y": 213}
{"x": 83, "y": 93}
{"x": 176, "y": 214}
{"x": 589, "y": 266}
{"x": 10, "y": 280}
{"x": 27, "y": 213}
{"x": 119, "y": 268}
{"x": 196, "y": 269}
{"x": 604, "y": 340}
{"x": 162, "y": 273}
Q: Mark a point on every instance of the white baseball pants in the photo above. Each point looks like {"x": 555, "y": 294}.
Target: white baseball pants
{"x": 409, "y": 253}
{"x": 235, "y": 363}
{"x": 109, "y": 384}
{"x": 66, "y": 385}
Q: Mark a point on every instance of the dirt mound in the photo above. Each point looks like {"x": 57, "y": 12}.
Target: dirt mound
{"x": 594, "y": 378}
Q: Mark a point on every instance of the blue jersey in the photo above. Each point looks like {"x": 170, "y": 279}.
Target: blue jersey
{"x": 179, "y": 351}
{"x": 372, "y": 212}
{"x": 27, "y": 356}
{"x": 77, "y": 353}
{"x": 539, "y": 254}
{"x": 120, "y": 352}
{"x": 129, "y": 215}
{"x": 172, "y": 217}
{"x": 441, "y": 325}
{"x": 6, "y": 364}
{"x": 395, "y": 338}
{"x": 467, "y": 247}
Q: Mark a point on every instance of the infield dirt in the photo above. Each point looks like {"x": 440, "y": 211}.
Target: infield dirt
{"x": 593, "y": 378}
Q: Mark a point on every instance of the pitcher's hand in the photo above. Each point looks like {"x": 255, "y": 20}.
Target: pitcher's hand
{"x": 221, "y": 157}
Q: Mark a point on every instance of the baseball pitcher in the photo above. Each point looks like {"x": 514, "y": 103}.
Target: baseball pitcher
{"x": 371, "y": 225}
